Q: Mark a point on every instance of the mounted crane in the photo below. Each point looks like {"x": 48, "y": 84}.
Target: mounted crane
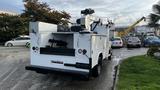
{"x": 130, "y": 28}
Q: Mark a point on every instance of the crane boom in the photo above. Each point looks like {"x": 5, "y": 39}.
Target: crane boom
{"x": 130, "y": 28}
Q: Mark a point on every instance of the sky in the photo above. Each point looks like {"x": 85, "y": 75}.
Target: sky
{"x": 122, "y": 12}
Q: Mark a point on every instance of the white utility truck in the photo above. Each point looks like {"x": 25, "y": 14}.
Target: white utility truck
{"x": 80, "y": 50}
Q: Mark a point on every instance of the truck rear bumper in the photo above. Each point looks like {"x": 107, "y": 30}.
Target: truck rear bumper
{"x": 41, "y": 69}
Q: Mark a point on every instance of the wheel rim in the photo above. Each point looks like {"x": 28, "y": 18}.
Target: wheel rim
{"x": 9, "y": 45}
{"x": 28, "y": 45}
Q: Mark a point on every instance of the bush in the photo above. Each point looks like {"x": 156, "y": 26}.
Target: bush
{"x": 152, "y": 50}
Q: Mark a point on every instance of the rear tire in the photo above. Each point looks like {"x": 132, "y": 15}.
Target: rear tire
{"x": 110, "y": 57}
{"x": 145, "y": 45}
{"x": 128, "y": 46}
{"x": 97, "y": 69}
{"x": 9, "y": 45}
{"x": 87, "y": 77}
{"x": 139, "y": 46}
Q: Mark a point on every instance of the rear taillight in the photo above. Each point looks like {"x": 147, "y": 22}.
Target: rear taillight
{"x": 84, "y": 51}
{"x": 80, "y": 51}
{"x": 35, "y": 49}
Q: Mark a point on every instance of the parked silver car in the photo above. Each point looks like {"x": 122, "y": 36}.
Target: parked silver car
{"x": 19, "y": 41}
{"x": 133, "y": 42}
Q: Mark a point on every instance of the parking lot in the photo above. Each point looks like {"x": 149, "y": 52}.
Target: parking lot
{"x": 13, "y": 75}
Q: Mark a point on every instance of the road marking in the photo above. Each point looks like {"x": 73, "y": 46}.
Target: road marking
{"x": 8, "y": 75}
{"x": 15, "y": 86}
{"x": 5, "y": 73}
{"x": 20, "y": 81}
{"x": 35, "y": 86}
{"x": 24, "y": 75}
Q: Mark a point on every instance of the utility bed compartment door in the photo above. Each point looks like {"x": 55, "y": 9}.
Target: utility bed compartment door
{"x": 83, "y": 42}
{"x": 98, "y": 45}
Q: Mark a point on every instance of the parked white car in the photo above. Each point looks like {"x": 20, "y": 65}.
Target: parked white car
{"x": 19, "y": 41}
{"x": 133, "y": 42}
{"x": 117, "y": 42}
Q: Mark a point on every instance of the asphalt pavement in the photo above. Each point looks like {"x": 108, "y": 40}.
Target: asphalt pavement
{"x": 13, "y": 75}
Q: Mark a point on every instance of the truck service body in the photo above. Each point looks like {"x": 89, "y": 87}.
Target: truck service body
{"x": 80, "y": 50}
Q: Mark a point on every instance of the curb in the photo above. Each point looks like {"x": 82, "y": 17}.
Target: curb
{"x": 116, "y": 68}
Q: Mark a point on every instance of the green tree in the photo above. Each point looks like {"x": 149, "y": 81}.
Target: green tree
{"x": 40, "y": 11}
{"x": 12, "y": 26}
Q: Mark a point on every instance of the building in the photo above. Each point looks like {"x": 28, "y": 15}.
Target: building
{"x": 144, "y": 29}
{"x": 8, "y": 12}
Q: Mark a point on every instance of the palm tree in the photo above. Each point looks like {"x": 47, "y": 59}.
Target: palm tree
{"x": 155, "y": 17}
